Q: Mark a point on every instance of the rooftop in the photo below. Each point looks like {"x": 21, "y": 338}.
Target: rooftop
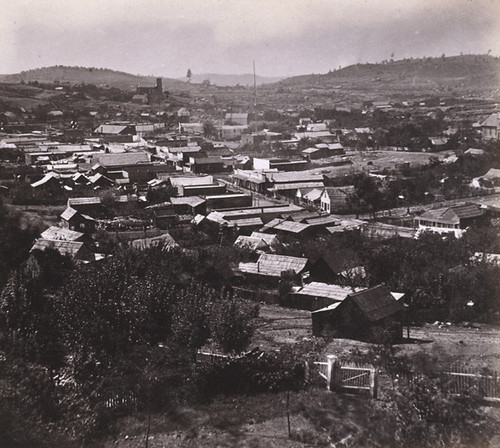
{"x": 376, "y": 303}
{"x": 60, "y": 234}
{"x": 317, "y": 289}
{"x": 273, "y": 265}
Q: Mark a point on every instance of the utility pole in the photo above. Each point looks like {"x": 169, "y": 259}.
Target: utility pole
{"x": 254, "y": 86}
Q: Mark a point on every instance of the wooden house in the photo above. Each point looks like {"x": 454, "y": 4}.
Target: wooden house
{"x": 74, "y": 220}
{"x": 371, "y": 315}
{"x": 335, "y": 198}
{"x": 342, "y": 267}
{"x": 274, "y": 267}
{"x": 74, "y": 249}
{"x": 315, "y": 295}
{"x": 453, "y": 219}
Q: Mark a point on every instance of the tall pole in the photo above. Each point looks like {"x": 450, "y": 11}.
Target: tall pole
{"x": 254, "y": 86}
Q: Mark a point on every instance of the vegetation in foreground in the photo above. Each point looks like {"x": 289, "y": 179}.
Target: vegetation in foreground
{"x": 125, "y": 331}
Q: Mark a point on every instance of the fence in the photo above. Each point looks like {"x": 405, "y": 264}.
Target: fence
{"x": 120, "y": 400}
{"x": 348, "y": 377}
{"x": 461, "y": 380}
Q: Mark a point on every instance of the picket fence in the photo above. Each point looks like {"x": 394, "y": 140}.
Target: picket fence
{"x": 458, "y": 380}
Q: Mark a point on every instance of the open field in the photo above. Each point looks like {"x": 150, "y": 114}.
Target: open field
{"x": 375, "y": 160}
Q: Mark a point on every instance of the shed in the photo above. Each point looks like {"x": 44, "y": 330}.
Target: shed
{"x": 371, "y": 315}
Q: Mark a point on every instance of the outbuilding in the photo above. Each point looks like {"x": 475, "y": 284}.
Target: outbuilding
{"x": 372, "y": 315}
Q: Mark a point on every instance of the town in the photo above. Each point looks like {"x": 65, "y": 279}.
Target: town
{"x": 299, "y": 236}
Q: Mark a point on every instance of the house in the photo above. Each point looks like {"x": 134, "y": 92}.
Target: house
{"x": 343, "y": 266}
{"x": 493, "y": 176}
{"x": 316, "y": 295}
{"x": 164, "y": 242}
{"x": 490, "y": 128}
{"x": 309, "y": 196}
{"x": 250, "y": 180}
{"x": 371, "y": 315}
{"x": 114, "y": 129}
{"x": 234, "y": 118}
{"x": 438, "y": 142}
{"x": 275, "y": 266}
{"x": 336, "y": 198}
{"x": 229, "y": 132}
{"x": 287, "y": 184}
{"x": 154, "y": 94}
{"x": 183, "y": 113}
{"x": 49, "y": 181}
{"x": 75, "y": 249}
{"x": 100, "y": 181}
{"x": 205, "y": 165}
{"x": 453, "y": 219}
{"x": 91, "y": 205}
{"x": 191, "y": 128}
{"x": 74, "y": 220}
{"x": 251, "y": 243}
{"x": 279, "y": 164}
{"x": 284, "y": 227}
{"x": 316, "y": 127}
{"x": 322, "y": 150}
{"x": 272, "y": 241}
{"x": 61, "y": 234}
{"x": 140, "y": 99}
{"x": 181, "y": 182}
{"x": 120, "y": 161}
{"x": 475, "y": 152}
{"x": 228, "y": 200}
{"x": 201, "y": 190}
{"x": 191, "y": 205}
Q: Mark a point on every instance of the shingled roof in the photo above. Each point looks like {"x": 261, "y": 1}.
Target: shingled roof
{"x": 273, "y": 265}
{"x": 376, "y": 303}
{"x": 60, "y": 234}
{"x": 341, "y": 260}
{"x": 454, "y": 214}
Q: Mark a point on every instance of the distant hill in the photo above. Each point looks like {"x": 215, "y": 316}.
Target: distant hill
{"x": 231, "y": 80}
{"x": 97, "y": 76}
{"x": 459, "y": 74}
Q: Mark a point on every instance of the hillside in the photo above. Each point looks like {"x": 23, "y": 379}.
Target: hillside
{"x": 86, "y": 75}
{"x": 231, "y": 80}
{"x": 455, "y": 75}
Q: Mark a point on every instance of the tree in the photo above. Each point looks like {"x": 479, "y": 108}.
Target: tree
{"x": 189, "y": 75}
{"x": 230, "y": 325}
{"x": 209, "y": 129}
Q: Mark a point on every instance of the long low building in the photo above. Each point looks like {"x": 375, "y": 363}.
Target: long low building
{"x": 274, "y": 266}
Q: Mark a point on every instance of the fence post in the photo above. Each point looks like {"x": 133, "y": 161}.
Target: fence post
{"x": 306, "y": 372}
{"x": 373, "y": 383}
{"x": 331, "y": 370}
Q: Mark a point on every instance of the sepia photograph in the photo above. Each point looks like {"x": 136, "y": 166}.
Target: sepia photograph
{"x": 250, "y": 223}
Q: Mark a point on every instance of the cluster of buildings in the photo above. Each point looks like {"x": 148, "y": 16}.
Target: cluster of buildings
{"x": 139, "y": 181}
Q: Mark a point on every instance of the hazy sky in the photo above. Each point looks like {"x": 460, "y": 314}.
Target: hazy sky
{"x": 284, "y": 37}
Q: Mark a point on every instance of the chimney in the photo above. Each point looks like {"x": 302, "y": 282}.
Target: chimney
{"x": 159, "y": 85}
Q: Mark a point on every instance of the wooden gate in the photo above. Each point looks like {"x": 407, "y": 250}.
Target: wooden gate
{"x": 348, "y": 377}
{"x": 352, "y": 378}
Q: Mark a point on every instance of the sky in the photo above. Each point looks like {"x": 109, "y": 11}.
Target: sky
{"x": 283, "y": 37}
